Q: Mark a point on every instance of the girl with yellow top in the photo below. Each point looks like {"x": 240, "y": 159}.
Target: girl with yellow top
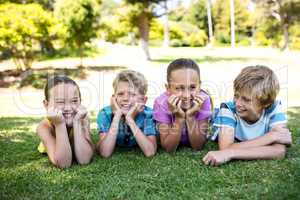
{"x": 65, "y": 133}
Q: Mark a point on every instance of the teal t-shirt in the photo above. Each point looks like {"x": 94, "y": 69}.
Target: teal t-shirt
{"x": 125, "y": 137}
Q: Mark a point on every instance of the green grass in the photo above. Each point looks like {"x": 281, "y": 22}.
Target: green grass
{"x": 25, "y": 174}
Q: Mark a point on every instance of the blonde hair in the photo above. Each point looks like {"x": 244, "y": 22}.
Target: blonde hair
{"x": 134, "y": 78}
{"x": 260, "y": 81}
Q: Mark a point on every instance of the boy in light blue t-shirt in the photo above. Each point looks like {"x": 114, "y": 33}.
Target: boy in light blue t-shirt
{"x": 253, "y": 126}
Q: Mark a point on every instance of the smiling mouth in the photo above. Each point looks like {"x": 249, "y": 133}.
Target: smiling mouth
{"x": 68, "y": 115}
{"x": 125, "y": 106}
{"x": 240, "y": 110}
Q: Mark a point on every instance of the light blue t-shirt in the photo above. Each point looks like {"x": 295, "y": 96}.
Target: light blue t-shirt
{"x": 125, "y": 137}
{"x": 227, "y": 117}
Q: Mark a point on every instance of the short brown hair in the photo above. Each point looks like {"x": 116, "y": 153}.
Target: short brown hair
{"x": 260, "y": 79}
{"x": 134, "y": 78}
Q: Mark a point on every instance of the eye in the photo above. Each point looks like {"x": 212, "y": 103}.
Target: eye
{"x": 132, "y": 94}
{"x": 59, "y": 102}
{"x": 193, "y": 87}
{"x": 75, "y": 101}
{"x": 245, "y": 99}
{"x": 120, "y": 94}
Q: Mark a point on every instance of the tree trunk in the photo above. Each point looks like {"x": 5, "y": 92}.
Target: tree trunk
{"x": 285, "y": 28}
{"x": 232, "y": 28}
{"x": 166, "y": 42}
{"x": 143, "y": 25}
{"x": 210, "y": 30}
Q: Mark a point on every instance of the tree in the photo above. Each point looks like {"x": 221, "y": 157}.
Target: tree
{"x": 221, "y": 16}
{"x": 22, "y": 28}
{"x": 286, "y": 12}
{"x": 80, "y": 18}
{"x": 232, "y": 27}
{"x": 141, "y": 13}
{"x": 46, "y": 4}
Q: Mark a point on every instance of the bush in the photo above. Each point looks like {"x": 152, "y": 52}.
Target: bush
{"x": 23, "y": 28}
{"x": 197, "y": 39}
{"x": 176, "y": 43}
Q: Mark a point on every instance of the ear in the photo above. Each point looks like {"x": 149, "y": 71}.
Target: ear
{"x": 46, "y": 103}
{"x": 167, "y": 86}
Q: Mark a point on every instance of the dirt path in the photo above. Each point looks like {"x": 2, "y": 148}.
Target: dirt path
{"x": 217, "y": 75}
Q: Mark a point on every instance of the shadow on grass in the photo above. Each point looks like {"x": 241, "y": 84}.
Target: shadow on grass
{"x": 210, "y": 59}
{"x": 36, "y": 77}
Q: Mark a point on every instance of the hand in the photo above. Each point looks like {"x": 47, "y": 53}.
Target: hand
{"x": 81, "y": 113}
{"x": 215, "y": 158}
{"x": 115, "y": 107}
{"x": 174, "y": 104}
{"x": 197, "y": 104}
{"x": 282, "y": 137}
{"x": 134, "y": 111}
{"x": 55, "y": 116}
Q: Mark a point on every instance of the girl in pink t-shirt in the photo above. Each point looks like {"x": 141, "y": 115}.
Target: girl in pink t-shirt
{"x": 182, "y": 112}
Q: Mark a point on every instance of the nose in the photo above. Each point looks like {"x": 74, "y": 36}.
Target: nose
{"x": 238, "y": 102}
{"x": 67, "y": 107}
{"x": 186, "y": 94}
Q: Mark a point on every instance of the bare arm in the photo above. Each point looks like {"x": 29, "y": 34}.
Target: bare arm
{"x": 197, "y": 131}
{"x": 278, "y": 134}
{"x": 268, "y": 146}
{"x": 58, "y": 148}
{"x": 107, "y": 141}
{"x": 275, "y": 151}
{"x": 146, "y": 143}
{"x": 83, "y": 145}
{"x": 170, "y": 134}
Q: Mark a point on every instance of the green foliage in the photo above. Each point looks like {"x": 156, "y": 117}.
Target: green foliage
{"x": 23, "y": 28}
{"x": 156, "y": 30}
{"x": 268, "y": 33}
{"x": 186, "y": 34}
{"x": 221, "y": 18}
{"x": 197, "y": 14}
{"x": 295, "y": 36}
{"x": 80, "y": 18}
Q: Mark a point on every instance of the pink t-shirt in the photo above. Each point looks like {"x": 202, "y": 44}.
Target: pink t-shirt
{"x": 162, "y": 114}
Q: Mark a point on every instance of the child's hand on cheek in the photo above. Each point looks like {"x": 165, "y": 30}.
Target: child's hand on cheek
{"x": 55, "y": 116}
{"x": 81, "y": 113}
{"x": 115, "y": 107}
{"x": 174, "y": 104}
{"x": 197, "y": 104}
{"x": 134, "y": 111}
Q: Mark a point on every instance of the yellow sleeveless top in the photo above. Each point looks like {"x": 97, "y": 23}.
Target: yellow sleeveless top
{"x": 42, "y": 149}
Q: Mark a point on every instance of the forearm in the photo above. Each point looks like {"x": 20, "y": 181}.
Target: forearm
{"x": 264, "y": 140}
{"x": 63, "y": 151}
{"x": 172, "y": 138}
{"x": 83, "y": 147}
{"x": 275, "y": 151}
{"x": 146, "y": 145}
{"x": 196, "y": 133}
{"x": 108, "y": 143}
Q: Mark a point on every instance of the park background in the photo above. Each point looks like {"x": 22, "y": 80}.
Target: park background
{"x": 92, "y": 40}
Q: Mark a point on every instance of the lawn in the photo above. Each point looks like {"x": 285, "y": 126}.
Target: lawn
{"x": 25, "y": 174}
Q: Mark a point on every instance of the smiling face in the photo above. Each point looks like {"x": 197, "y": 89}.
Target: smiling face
{"x": 248, "y": 106}
{"x": 185, "y": 84}
{"x": 65, "y": 97}
{"x": 127, "y": 96}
